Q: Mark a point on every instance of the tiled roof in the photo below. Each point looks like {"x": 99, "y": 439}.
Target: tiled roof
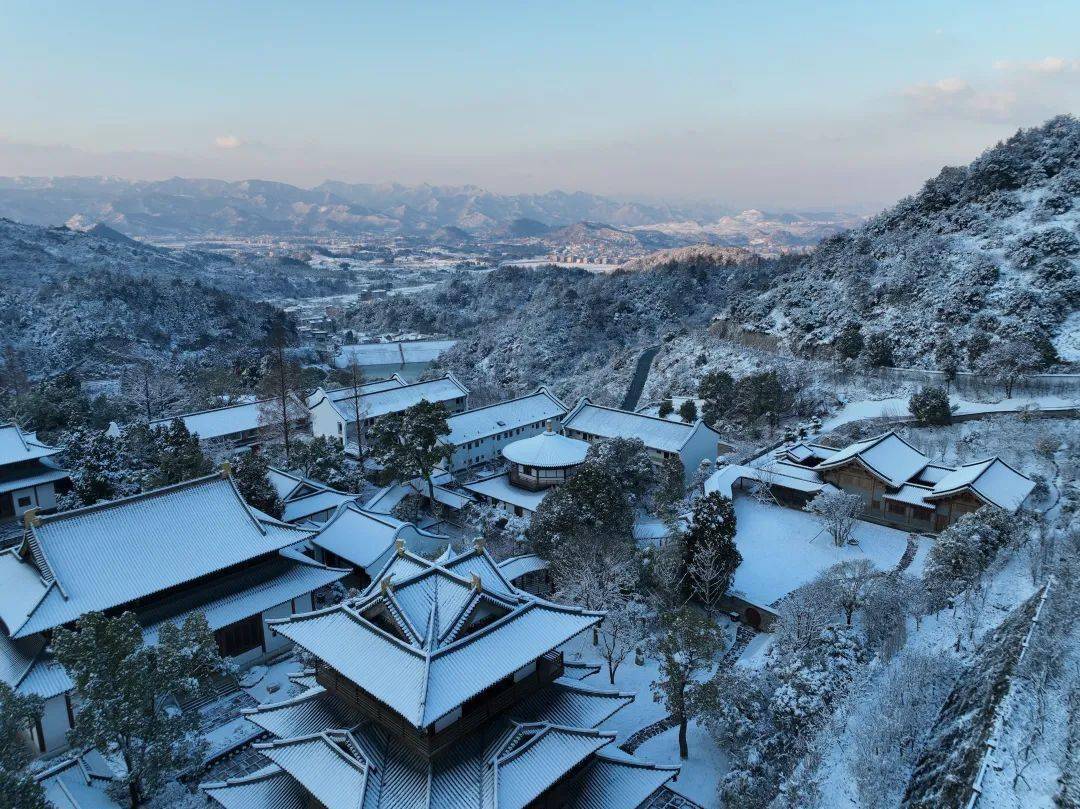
{"x": 539, "y": 755}
{"x": 269, "y": 788}
{"x": 433, "y": 667}
{"x": 170, "y": 536}
{"x": 328, "y": 765}
{"x": 481, "y": 422}
{"x": 548, "y": 450}
{"x": 991, "y": 479}
{"x": 395, "y": 353}
{"x": 520, "y": 565}
{"x": 499, "y": 487}
{"x": 610, "y": 422}
{"x": 887, "y": 455}
{"x": 612, "y": 781}
{"x": 395, "y": 399}
{"x": 17, "y": 445}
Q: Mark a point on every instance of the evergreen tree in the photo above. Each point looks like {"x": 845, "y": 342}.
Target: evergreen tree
{"x": 716, "y": 391}
{"x": 126, "y": 690}
{"x": 99, "y": 466}
{"x": 849, "y": 341}
{"x": 179, "y": 456}
{"x": 666, "y": 408}
{"x": 250, "y": 476}
{"x": 410, "y": 444}
{"x": 710, "y": 556}
{"x": 18, "y": 789}
{"x": 688, "y": 411}
{"x": 686, "y": 645}
{"x": 877, "y": 352}
{"x": 323, "y": 459}
{"x": 947, "y": 358}
{"x": 930, "y": 406}
{"x": 281, "y": 380}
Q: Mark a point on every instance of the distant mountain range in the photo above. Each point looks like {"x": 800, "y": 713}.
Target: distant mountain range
{"x": 193, "y": 208}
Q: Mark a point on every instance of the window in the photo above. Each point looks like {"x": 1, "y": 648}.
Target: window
{"x": 896, "y": 508}
{"x": 24, "y": 502}
{"x": 243, "y": 636}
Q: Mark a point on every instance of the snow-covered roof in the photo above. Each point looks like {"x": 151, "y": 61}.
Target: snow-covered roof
{"x": 517, "y": 566}
{"x": 536, "y": 756}
{"x": 499, "y": 487}
{"x": 394, "y": 399}
{"x": 17, "y": 445}
{"x": 268, "y": 788}
{"x": 219, "y": 421}
{"x": 480, "y": 422}
{"x": 518, "y": 757}
{"x": 34, "y": 473}
{"x": 254, "y": 592}
{"x": 80, "y": 782}
{"x": 991, "y": 479}
{"x": 888, "y": 456}
{"x": 788, "y": 476}
{"x": 300, "y": 508}
{"x": 396, "y": 353}
{"x": 610, "y": 422}
{"x": 548, "y": 450}
{"x": 337, "y": 394}
{"x": 435, "y": 662}
{"x": 170, "y": 536}
{"x": 365, "y": 537}
{"x": 910, "y": 494}
{"x": 329, "y": 765}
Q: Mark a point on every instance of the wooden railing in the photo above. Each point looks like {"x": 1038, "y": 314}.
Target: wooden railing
{"x": 549, "y": 667}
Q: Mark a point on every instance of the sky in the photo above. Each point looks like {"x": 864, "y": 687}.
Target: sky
{"x": 782, "y": 105}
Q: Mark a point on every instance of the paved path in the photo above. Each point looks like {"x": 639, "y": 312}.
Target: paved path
{"x": 909, "y": 554}
{"x": 638, "y": 738}
{"x": 637, "y": 381}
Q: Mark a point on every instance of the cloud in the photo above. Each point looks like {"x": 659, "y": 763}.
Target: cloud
{"x": 1050, "y": 65}
{"x": 956, "y": 97}
{"x": 228, "y": 142}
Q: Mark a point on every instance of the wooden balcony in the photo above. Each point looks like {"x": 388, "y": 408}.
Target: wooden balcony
{"x": 476, "y": 712}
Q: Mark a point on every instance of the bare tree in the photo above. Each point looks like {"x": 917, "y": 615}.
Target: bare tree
{"x": 355, "y": 375}
{"x": 849, "y": 581}
{"x": 838, "y": 511}
{"x": 709, "y": 570}
{"x": 594, "y": 579}
{"x": 281, "y": 380}
{"x": 622, "y": 630}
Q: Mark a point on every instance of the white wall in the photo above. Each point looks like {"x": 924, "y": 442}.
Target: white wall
{"x": 490, "y": 448}
{"x": 54, "y": 724}
{"x": 274, "y": 642}
{"x": 42, "y": 496}
{"x": 325, "y": 421}
{"x": 703, "y": 443}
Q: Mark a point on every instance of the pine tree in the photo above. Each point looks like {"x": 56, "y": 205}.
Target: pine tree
{"x": 126, "y": 690}
{"x": 18, "y": 789}
{"x": 666, "y": 408}
{"x": 409, "y": 442}
{"x": 849, "y": 342}
{"x": 179, "y": 457}
{"x": 877, "y": 352}
{"x": 931, "y": 406}
{"x": 947, "y": 358}
{"x": 250, "y": 476}
{"x": 710, "y": 556}
{"x": 688, "y": 411}
{"x": 323, "y": 459}
{"x": 281, "y": 381}
{"x": 716, "y": 391}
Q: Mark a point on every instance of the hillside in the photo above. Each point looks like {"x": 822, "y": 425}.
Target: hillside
{"x": 68, "y": 297}
{"x": 991, "y": 247}
{"x": 579, "y": 332}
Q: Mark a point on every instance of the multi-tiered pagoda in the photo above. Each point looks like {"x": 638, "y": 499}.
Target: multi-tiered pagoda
{"x": 442, "y": 685}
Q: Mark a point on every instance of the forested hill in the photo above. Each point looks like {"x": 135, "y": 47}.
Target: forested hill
{"x": 991, "y": 248}
{"x": 69, "y": 298}
{"x": 576, "y": 331}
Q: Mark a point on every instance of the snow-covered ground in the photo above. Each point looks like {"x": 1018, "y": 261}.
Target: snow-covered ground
{"x": 783, "y": 548}
{"x": 897, "y": 407}
{"x": 701, "y": 772}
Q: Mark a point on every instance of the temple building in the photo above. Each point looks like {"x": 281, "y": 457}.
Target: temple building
{"x": 441, "y": 685}
{"x": 536, "y": 464}
{"x": 191, "y": 547}
{"x": 29, "y": 477}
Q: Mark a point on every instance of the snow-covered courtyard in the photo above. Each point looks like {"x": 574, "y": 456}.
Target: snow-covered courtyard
{"x": 783, "y": 548}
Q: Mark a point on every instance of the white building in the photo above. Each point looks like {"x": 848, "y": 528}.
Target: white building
{"x": 29, "y": 477}
{"x": 192, "y": 547}
{"x": 664, "y": 439}
{"x": 333, "y": 413}
{"x": 479, "y": 435}
{"x": 307, "y": 502}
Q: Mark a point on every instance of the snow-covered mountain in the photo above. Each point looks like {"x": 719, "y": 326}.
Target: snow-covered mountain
{"x": 992, "y": 248}
{"x": 70, "y": 297}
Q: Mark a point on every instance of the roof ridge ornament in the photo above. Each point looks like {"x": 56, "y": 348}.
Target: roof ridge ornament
{"x": 399, "y": 547}
{"x": 477, "y": 583}
{"x": 226, "y": 469}
{"x": 386, "y": 586}
{"x": 31, "y": 518}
